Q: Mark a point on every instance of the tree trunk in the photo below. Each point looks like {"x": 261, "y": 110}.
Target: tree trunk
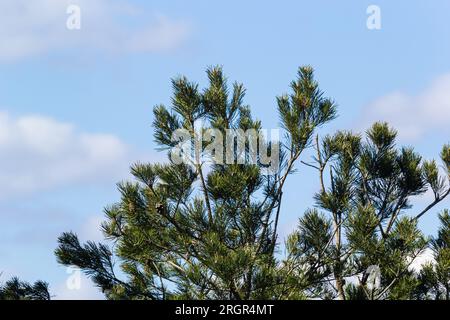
{"x": 338, "y": 263}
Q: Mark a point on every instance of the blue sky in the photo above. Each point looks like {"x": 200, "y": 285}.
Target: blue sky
{"x": 76, "y": 105}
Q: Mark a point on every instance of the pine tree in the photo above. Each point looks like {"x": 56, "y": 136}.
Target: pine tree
{"x": 366, "y": 187}
{"x": 199, "y": 230}
{"x": 205, "y": 229}
{"x": 15, "y": 289}
{"x": 434, "y": 279}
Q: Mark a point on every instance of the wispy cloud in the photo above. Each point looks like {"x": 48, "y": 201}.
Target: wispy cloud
{"x": 32, "y": 28}
{"x": 92, "y": 229}
{"x": 414, "y": 115}
{"x": 38, "y": 153}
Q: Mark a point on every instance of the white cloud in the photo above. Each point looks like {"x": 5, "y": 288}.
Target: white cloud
{"x": 414, "y": 115}
{"x": 38, "y": 153}
{"x": 91, "y": 230}
{"x": 425, "y": 257}
{"x": 29, "y": 28}
{"x": 164, "y": 34}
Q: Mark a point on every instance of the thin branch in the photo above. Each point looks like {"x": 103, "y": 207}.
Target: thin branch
{"x": 310, "y": 165}
{"x": 431, "y": 205}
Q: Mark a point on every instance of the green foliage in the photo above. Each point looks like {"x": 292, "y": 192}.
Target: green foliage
{"x": 200, "y": 230}
{"x": 367, "y": 193}
{"x": 209, "y": 230}
{"x": 435, "y": 277}
{"x": 445, "y": 156}
{"x": 15, "y": 289}
{"x": 305, "y": 109}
